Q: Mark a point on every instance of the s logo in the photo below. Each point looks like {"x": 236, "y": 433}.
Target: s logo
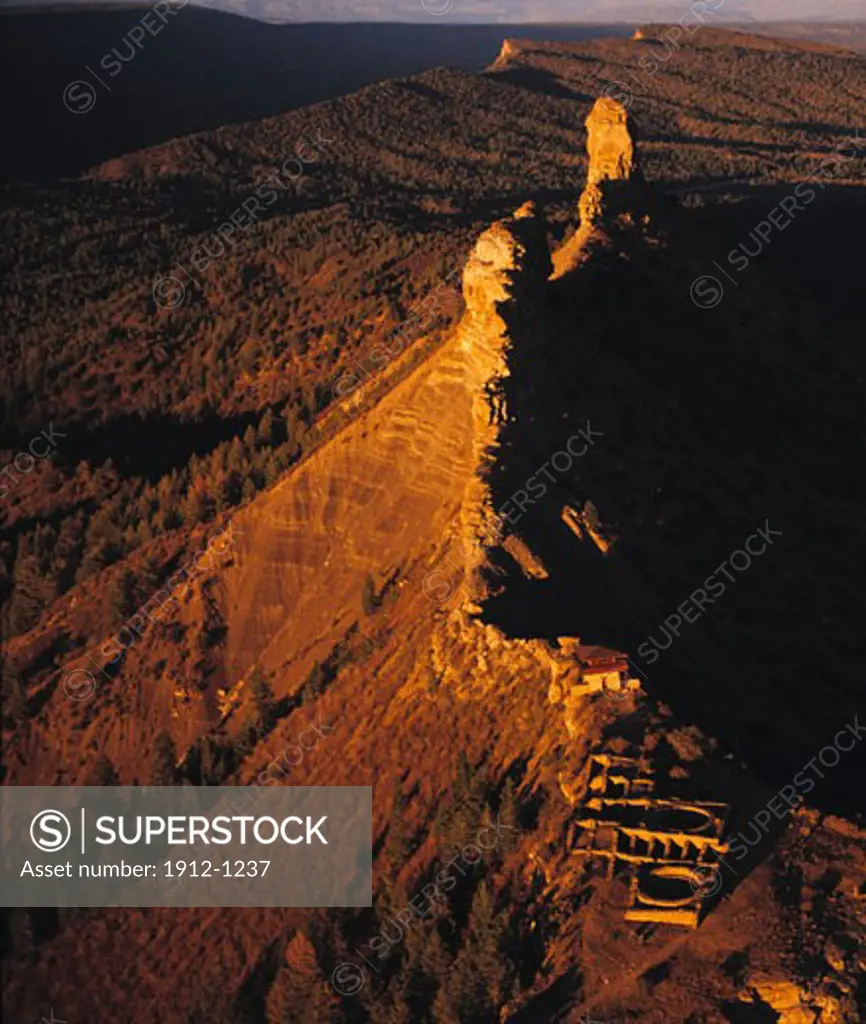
{"x": 50, "y": 831}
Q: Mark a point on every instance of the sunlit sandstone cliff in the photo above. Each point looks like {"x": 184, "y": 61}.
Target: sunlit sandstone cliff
{"x": 399, "y": 497}
{"x": 403, "y": 496}
{"x": 400, "y": 487}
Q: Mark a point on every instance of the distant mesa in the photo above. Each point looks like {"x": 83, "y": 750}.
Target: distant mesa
{"x": 704, "y": 33}
{"x": 509, "y": 52}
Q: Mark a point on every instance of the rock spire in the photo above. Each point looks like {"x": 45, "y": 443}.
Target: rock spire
{"x": 612, "y": 158}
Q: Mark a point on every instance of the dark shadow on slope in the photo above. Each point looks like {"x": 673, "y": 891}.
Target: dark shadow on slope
{"x": 422, "y": 89}
{"x": 757, "y": 1012}
{"x": 151, "y": 447}
{"x": 716, "y": 423}
{"x": 536, "y": 80}
{"x": 743, "y": 145}
{"x": 553, "y": 1003}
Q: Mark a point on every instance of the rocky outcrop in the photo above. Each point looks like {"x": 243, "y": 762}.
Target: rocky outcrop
{"x": 404, "y": 491}
{"x": 510, "y": 264}
{"x": 507, "y": 55}
{"x": 402, "y": 485}
{"x": 796, "y": 1005}
{"x": 609, "y": 142}
{"x": 612, "y": 157}
{"x": 614, "y": 183}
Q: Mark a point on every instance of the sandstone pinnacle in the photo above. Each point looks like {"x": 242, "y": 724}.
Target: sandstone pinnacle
{"x": 612, "y": 156}
{"x": 615, "y": 189}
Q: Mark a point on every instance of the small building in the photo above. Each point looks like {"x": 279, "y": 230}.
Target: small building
{"x": 602, "y": 668}
{"x": 599, "y": 668}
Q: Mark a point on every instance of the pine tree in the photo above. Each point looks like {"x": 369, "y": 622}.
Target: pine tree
{"x": 67, "y": 552}
{"x": 428, "y": 963}
{"x": 122, "y": 598}
{"x": 485, "y": 933}
{"x": 102, "y": 773}
{"x": 164, "y": 770}
{"x": 272, "y": 470}
{"x": 462, "y": 817}
{"x": 507, "y": 820}
{"x": 236, "y": 461}
{"x": 369, "y": 598}
{"x": 211, "y": 758}
{"x": 392, "y": 1005}
{"x": 231, "y": 489}
{"x": 293, "y": 428}
{"x": 13, "y": 697}
{"x": 249, "y": 440}
{"x": 315, "y": 684}
{"x": 485, "y": 927}
{"x": 103, "y": 543}
{"x": 264, "y": 706}
{"x": 27, "y": 598}
{"x": 300, "y": 996}
{"x": 396, "y": 847}
{"x": 248, "y": 491}
{"x": 194, "y": 507}
{"x": 475, "y": 988}
{"x": 458, "y": 990}
{"x": 267, "y": 433}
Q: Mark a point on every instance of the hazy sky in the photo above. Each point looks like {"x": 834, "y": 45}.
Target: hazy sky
{"x": 512, "y": 11}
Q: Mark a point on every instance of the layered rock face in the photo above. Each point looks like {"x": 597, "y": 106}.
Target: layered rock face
{"x": 612, "y": 157}
{"x": 366, "y": 503}
{"x": 503, "y": 284}
{"x": 380, "y": 497}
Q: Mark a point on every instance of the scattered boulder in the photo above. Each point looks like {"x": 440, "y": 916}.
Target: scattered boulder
{"x": 795, "y": 1005}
